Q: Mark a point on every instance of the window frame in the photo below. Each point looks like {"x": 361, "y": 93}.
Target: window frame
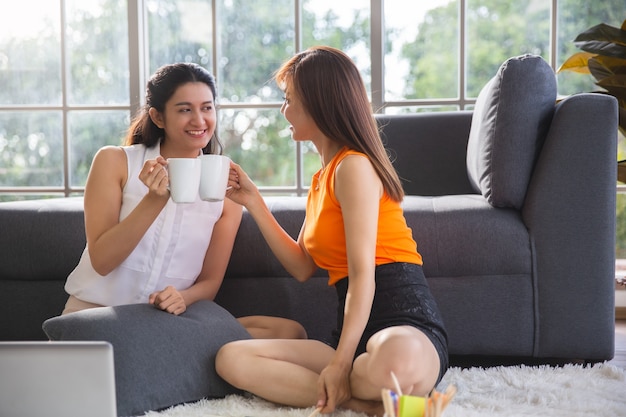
{"x": 138, "y": 64}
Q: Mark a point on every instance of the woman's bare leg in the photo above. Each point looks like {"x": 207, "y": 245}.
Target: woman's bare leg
{"x": 267, "y": 327}
{"x": 282, "y": 371}
{"x": 286, "y": 371}
{"x": 74, "y": 304}
{"x": 403, "y": 350}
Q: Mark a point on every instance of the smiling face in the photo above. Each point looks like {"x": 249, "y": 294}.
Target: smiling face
{"x": 302, "y": 125}
{"x": 189, "y": 120}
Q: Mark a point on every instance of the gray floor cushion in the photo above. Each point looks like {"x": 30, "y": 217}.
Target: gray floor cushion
{"x": 160, "y": 359}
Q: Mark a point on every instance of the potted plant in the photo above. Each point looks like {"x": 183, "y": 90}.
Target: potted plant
{"x": 604, "y": 57}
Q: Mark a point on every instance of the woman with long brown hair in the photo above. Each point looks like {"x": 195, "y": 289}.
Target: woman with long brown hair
{"x": 142, "y": 247}
{"x": 388, "y": 322}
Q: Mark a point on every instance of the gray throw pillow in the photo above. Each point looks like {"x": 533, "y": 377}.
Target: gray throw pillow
{"x": 509, "y": 124}
{"x": 160, "y": 359}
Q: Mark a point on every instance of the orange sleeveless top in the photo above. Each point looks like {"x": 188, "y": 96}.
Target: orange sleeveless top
{"x": 324, "y": 236}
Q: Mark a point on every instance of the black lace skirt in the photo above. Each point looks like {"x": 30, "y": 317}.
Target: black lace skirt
{"x": 402, "y": 298}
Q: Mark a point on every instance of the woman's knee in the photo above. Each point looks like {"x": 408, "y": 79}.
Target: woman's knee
{"x": 228, "y": 361}
{"x": 401, "y": 345}
{"x": 407, "y": 353}
{"x": 222, "y": 358}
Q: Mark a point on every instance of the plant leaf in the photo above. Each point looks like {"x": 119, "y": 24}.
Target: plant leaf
{"x": 600, "y": 69}
{"x": 603, "y": 32}
{"x": 615, "y": 65}
{"x": 615, "y": 85}
{"x": 577, "y": 63}
{"x": 616, "y": 80}
{"x": 603, "y": 39}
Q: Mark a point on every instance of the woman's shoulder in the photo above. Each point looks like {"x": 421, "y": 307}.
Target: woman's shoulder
{"x": 112, "y": 159}
{"x": 108, "y": 163}
{"x": 353, "y": 158}
{"x": 355, "y": 170}
{"x": 113, "y": 153}
{"x": 110, "y": 153}
{"x": 345, "y": 154}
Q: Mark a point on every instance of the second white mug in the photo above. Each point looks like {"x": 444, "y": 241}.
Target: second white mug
{"x": 214, "y": 176}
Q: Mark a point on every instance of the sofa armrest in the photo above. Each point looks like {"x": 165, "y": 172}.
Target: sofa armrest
{"x": 570, "y": 213}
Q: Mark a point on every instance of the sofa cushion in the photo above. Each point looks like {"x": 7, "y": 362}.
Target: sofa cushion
{"x": 510, "y": 121}
{"x": 160, "y": 359}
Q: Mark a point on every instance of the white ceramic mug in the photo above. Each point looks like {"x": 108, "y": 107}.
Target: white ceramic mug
{"x": 214, "y": 177}
{"x": 184, "y": 178}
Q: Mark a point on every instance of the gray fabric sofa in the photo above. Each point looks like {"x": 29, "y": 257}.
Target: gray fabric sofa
{"x": 512, "y": 206}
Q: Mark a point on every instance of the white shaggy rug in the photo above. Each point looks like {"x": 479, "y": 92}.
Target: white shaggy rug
{"x": 505, "y": 391}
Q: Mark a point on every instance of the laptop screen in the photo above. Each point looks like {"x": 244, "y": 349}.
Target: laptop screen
{"x": 69, "y": 379}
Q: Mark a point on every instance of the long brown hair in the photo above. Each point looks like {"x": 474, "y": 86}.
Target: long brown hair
{"x": 161, "y": 87}
{"x": 332, "y": 91}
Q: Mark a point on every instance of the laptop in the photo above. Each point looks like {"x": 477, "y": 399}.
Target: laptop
{"x": 57, "y": 379}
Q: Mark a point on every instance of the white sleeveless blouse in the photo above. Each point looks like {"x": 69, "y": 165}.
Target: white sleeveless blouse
{"x": 170, "y": 253}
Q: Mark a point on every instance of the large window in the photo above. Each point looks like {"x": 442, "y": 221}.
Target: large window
{"x": 73, "y": 71}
